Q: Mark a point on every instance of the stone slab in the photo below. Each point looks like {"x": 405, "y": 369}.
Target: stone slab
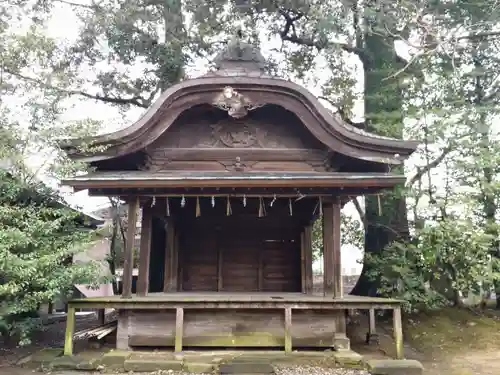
{"x": 151, "y": 365}
{"x": 395, "y": 367}
{"x": 64, "y": 363}
{"x": 198, "y": 367}
{"x": 88, "y": 361}
{"x": 246, "y": 368}
{"x": 348, "y": 358}
{"x": 115, "y": 359}
{"x": 42, "y": 358}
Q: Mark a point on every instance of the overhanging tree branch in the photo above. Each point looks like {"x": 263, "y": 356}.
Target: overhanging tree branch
{"x": 289, "y": 34}
{"x": 136, "y": 100}
{"x": 429, "y": 166}
{"x": 340, "y": 111}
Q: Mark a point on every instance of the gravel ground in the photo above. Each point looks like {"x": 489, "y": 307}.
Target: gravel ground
{"x": 311, "y": 370}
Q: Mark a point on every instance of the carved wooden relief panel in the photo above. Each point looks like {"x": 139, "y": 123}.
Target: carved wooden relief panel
{"x": 246, "y": 144}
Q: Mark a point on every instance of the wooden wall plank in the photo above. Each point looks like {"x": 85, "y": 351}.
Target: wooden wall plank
{"x": 302, "y": 262}
{"x": 170, "y": 280}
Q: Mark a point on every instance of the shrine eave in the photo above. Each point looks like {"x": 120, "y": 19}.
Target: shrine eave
{"x": 327, "y": 128}
{"x": 177, "y": 180}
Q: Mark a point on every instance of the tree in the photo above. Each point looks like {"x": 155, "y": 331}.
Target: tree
{"x": 38, "y": 237}
{"x": 138, "y": 49}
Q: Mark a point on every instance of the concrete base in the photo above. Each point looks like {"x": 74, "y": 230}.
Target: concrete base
{"x": 395, "y": 367}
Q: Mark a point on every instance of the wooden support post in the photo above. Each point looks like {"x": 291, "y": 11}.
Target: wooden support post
{"x": 328, "y": 243}
{"x": 70, "y": 330}
{"x": 337, "y": 258}
{"x": 371, "y": 335}
{"x": 145, "y": 251}
{"x": 179, "y": 325}
{"x": 398, "y": 332}
{"x": 308, "y": 259}
{"x": 128, "y": 265}
{"x": 101, "y": 316}
{"x": 288, "y": 330}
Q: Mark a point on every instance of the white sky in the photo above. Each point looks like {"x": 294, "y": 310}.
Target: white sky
{"x": 64, "y": 26}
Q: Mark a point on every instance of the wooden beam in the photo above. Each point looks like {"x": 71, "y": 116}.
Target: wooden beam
{"x": 337, "y": 258}
{"x": 308, "y": 259}
{"x": 179, "y": 325}
{"x": 288, "y": 330}
{"x": 70, "y": 330}
{"x": 145, "y": 251}
{"x": 128, "y": 265}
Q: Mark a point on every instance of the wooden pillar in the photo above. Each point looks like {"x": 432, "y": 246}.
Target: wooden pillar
{"x": 70, "y": 330}
{"x": 371, "y": 335}
{"x": 171, "y": 259}
{"x": 179, "y": 328}
{"x": 145, "y": 251}
{"x": 101, "y": 316}
{"x": 128, "y": 265}
{"x": 331, "y": 250}
{"x": 288, "y": 330}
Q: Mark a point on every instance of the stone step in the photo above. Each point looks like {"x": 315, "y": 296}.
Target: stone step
{"x": 242, "y": 368}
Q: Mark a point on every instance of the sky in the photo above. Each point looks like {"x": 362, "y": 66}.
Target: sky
{"x": 64, "y": 26}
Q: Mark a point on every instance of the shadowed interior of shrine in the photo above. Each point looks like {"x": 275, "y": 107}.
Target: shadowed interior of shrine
{"x": 237, "y": 244}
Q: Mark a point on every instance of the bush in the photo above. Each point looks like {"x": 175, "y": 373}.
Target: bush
{"x": 444, "y": 260}
{"x": 38, "y": 237}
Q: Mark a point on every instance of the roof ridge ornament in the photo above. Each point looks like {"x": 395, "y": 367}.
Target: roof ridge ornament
{"x": 234, "y": 103}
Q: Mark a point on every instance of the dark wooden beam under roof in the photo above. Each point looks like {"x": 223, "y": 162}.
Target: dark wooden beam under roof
{"x": 214, "y": 180}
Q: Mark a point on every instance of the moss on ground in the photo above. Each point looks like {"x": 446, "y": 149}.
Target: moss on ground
{"x": 453, "y": 330}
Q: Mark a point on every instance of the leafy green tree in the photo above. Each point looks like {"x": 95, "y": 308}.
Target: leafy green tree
{"x": 38, "y": 237}
{"x": 446, "y": 259}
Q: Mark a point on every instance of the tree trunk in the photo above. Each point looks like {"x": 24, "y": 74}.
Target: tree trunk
{"x": 386, "y": 215}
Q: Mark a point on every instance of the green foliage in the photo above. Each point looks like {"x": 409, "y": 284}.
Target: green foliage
{"x": 351, "y": 229}
{"x": 38, "y": 237}
{"x": 446, "y": 259}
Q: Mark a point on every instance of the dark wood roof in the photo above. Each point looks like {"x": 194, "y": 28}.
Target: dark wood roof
{"x": 241, "y": 67}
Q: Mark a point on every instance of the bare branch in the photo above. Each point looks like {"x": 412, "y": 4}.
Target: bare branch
{"x": 342, "y": 114}
{"x": 361, "y": 214}
{"x": 479, "y": 35}
{"x": 85, "y": 6}
{"x": 429, "y": 166}
{"x": 289, "y": 34}
{"x": 136, "y": 101}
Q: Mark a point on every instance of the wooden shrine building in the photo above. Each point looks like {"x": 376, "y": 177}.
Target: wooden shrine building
{"x": 230, "y": 171}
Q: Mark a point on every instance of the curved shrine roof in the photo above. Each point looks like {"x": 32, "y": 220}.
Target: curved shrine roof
{"x": 240, "y": 67}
